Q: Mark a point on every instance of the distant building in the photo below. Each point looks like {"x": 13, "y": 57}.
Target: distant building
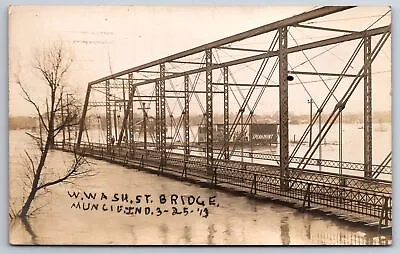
{"x": 257, "y": 133}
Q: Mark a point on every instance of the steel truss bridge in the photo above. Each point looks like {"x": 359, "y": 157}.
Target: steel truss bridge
{"x": 171, "y": 87}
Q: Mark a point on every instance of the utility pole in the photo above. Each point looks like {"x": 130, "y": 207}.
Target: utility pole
{"x": 68, "y": 115}
{"x": 310, "y": 101}
{"x": 320, "y": 141}
{"x": 144, "y": 125}
{"x": 62, "y": 121}
{"x": 171, "y": 117}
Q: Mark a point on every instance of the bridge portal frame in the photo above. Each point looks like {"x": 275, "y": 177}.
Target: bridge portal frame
{"x": 282, "y": 52}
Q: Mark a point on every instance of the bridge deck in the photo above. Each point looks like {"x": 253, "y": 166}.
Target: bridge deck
{"x": 351, "y": 198}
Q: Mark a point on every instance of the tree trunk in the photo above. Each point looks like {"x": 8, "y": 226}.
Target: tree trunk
{"x": 28, "y": 202}
{"x": 35, "y": 184}
{"x": 50, "y": 134}
{"x": 51, "y": 137}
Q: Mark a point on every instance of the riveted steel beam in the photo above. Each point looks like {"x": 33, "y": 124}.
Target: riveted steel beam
{"x": 320, "y": 12}
{"x": 163, "y": 127}
{"x": 226, "y": 113}
{"x": 108, "y": 116}
{"x": 283, "y": 108}
{"x": 367, "y": 109}
{"x": 209, "y": 112}
{"x": 186, "y": 123}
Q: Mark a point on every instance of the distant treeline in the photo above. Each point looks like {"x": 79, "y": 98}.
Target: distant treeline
{"x": 22, "y": 122}
{"x": 377, "y": 117}
{"x": 92, "y": 121}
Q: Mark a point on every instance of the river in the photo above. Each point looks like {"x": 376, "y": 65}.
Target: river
{"x": 231, "y": 219}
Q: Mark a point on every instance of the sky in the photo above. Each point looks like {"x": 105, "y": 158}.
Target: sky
{"x": 104, "y": 40}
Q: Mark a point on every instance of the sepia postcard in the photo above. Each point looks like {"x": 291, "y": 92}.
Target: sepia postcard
{"x": 200, "y": 125}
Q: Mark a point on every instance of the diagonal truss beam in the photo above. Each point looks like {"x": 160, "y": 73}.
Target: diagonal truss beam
{"x": 323, "y": 11}
{"x": 307, "y": 46}
{"x": 306, "y": 16}
{"x": 321, "y": 43}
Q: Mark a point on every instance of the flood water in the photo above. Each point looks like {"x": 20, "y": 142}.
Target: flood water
{"x": 352, "y": 145}
{"x": 231, "y": 219}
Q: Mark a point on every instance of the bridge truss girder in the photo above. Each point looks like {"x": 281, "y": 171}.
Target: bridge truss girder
{"x": 283, "y": 106}
{"x": 367, "y": 108}
{"x": 158, "y": 78}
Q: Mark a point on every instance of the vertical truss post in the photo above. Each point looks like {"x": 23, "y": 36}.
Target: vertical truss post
{"x": 311, "y": 117}
{"x": 115, "y": 120}
{"x": 367, "y": 109}
{"x": 131, "y": 91}
{"x": 83, "y": 117}
{"x": 108, "y": 115}
{"x": 341, "y": 149}
{"x": 251, "y": 136}
{"x": 124, "y": 98}
{"x": 144, "y": 125}
{"x": 209, "y": 112}
{"x": 226, "y": 114}
{"x": 163, "y": 129}
{"x": 186, "y": 122}
{"x": 158, "y": 127}
{"x": 320, "y": 140}
{"x": 283, "y": 108}
{"x": 241, "y": 137}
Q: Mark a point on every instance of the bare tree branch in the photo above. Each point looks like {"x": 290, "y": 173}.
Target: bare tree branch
{"x": 32, "y": 166}
{"x": 28, "y": 98}
{"x": 72, "y": 173}
{"x": 52, "y": 64}
{"x": 38, "y": 140}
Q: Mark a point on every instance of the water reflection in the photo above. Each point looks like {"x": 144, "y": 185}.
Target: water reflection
{"x": 26, "y": 226}
{"x": 285, "y": 237}
{"x": 187, "y": 234}
{"x": 237, "y": 220}
{"x": 133, "y": 234}
{"x": 307, "y": 226}
{"x": 164, "y": 233}
{"x": 228, "y": 232}
{"x": 211, "y": 231}
{"x": 29, "y": 229}
{"x": 352, "y": 238}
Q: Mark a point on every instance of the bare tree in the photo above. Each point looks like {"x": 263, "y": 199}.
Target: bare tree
{"x": 52, "y": 65}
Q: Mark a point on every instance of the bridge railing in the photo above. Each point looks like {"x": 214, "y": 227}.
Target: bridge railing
{"x": 357, "y": 182}
{"x": 273, "y": 159}
{"x": 370, "y": 197}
